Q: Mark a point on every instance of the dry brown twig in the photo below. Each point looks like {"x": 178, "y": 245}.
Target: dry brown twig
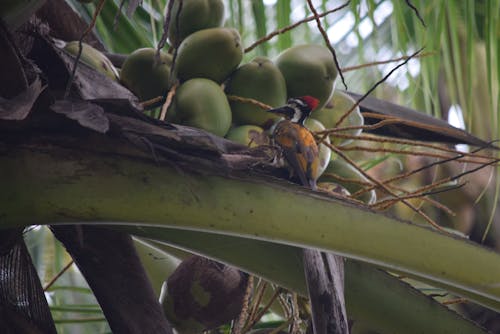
{"x": 427, "y": 189}
{"x": 259, "y": 294}
{"x": 382, "y": 62}
{"x": 380, "y": 124}
{"x": 440, "y": 206}
{"x": 59, "y": 274}
{"x": 148, "y": 103}
{"x": 384, "y": 140}
{"x": 422, "y": 197}
{"x": 168, "y": 101}
{"x": 417, "y": 170}
{"x": 406, "y": 152}
{"x": 382, "y": 186}
{"x": 292, "y": 26}
{"x": 368, "y": 184}
{"x": 327, "y": 40}
{"x": 258, "y": 314}
{"x": 386, "y": 203}
{"x": 249, "y": 101}
{"x": 295, "y": 315}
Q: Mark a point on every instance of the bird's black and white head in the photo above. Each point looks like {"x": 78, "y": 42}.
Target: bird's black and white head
{"x": 297, "y": 109}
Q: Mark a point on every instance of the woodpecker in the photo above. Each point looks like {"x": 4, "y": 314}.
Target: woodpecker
{"x": 295, "y": 141}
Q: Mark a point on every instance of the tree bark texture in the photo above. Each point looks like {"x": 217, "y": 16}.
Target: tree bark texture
{"x": 112, "y": 268}
{"x": 325, "y": 283}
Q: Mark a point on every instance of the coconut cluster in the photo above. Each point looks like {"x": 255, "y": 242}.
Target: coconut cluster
{"x": 208, "y": 73}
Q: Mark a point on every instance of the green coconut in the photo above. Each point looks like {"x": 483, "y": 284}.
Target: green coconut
{"x": 308, "y": 70}
{"x": 209, "y": 53}
{"x": 145, "y": 77}
{"x": 194, "y": 15}
{"x": 201, "y": 103}
{"x": 260, "y": 80}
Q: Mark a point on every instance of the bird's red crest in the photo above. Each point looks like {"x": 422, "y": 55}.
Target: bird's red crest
{"x": 312, "y": 102}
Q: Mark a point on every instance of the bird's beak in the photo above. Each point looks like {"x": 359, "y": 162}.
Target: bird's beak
{"x": 283, "y": 111}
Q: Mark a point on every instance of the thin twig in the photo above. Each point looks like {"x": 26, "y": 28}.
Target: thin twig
{"x": 366, "y": 184}
{"x": 89, "y": 28}
{"x": 284, "y": 305}
{"x": 443, "y": 190}
{"x": 59, "y": 274}
{"x": 425, "y": 190}
{"x": 384, "y": 140}
{"x": 295, "y": 315}
{"x": 409, "y": 173}
{"x": 361, "y": 127}
{"x": 416, "y": 12}
{"x": 292, "y": 26}
{"x": 401, "y": 141}
{"x": 429, "y": 200}
{"x": 327, "y": 40}
{"x": 470, "y": 171}
{"x": 382, "y": 62}
{"x": 166, "y": 24}
{"x": 406, "y": 152}
{"x": 148, "y": 103}
{"x": 383, "y": 186}
{"x": 422, "y": 197}
{"x": 412, "y": 172}
{"x": 440, "y": 206}
{"x": 168, "y": 101}
{"x": 375, "y": 86}
{"x": 262, "y": 311}
{"x": 257, "y": 301}
{"x": 249, "y": 101}
{"x": 384, "y": 204}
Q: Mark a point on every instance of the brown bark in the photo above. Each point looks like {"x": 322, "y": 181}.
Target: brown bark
{"x": 113, "y": 270}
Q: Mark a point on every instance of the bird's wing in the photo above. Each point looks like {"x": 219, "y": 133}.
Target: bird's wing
{"x": 300, "y": 151}
{"x": 310, "y": 157}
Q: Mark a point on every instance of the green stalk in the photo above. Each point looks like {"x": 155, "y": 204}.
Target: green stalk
{"x": 374, "y": 299}
{"x": 42, "y": 186}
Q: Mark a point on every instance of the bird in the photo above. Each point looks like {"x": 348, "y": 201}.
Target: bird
{"x": 295, "y": 142}
{"x": 300, "y": 150}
